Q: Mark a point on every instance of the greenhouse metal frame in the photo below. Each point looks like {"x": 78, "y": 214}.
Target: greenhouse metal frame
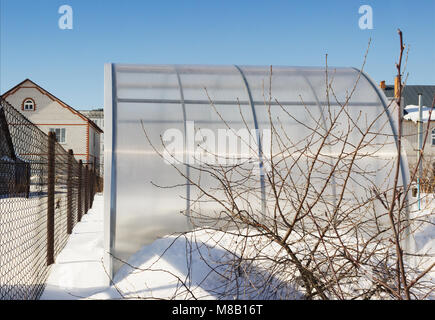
{"x": 161, "y": 97}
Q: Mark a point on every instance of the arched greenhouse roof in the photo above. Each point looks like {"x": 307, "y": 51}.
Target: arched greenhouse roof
{"x": 157, "y": 98}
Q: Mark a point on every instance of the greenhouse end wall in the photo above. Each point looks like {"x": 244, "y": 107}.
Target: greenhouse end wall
{"x": 145, "y": 102}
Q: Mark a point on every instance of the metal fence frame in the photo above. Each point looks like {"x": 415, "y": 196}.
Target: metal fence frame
{"x": 44, "y": 192}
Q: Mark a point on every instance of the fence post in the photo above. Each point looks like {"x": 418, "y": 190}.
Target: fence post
{"x": 86, "y": 189}
{"x": 69, "y": 218}
{"x": 92, "y": 183}
{"x": 50, "y": 198}
{"x": 79, "y": 193}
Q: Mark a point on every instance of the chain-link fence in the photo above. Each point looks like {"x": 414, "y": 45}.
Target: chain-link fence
{"x": 44, "y": 192}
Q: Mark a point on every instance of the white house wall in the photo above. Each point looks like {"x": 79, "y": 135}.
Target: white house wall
{"x": 94, "y": 144}
{"x": 50, "y": 113}
{"x": 410, "y": 142}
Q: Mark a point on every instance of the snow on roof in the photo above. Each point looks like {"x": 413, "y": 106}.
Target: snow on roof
{"x": 412, "y": 113}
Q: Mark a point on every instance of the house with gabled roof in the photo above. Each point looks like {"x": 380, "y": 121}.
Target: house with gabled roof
{"x": 73, "y": 130}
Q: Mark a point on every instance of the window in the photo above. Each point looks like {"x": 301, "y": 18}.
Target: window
{"x": 28, "y": 104}
{"x": 60, "y": 134}
{"x": 433, "y": 137}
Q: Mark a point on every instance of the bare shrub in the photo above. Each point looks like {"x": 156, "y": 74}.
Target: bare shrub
{"x": 327, "y": 225}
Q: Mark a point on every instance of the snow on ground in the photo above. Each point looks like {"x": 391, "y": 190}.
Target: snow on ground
{"x": 424, "y": 233}
{"x": 78, "y": 270}
{"x": 198, "y": 264}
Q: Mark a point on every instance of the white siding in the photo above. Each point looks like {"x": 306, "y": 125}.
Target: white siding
{"x": 49, "y": 113}
{"x": 410, "y": 142}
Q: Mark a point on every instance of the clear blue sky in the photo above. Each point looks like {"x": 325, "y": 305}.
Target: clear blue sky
{"x": 69, "y": 63}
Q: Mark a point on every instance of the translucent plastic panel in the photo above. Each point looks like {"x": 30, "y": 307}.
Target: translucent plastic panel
{"x": 146, "y": 197}
{"x": 153, "y": 82}
{"x": 201, "y": 83}
{"x": 307, "y": 85}
{"x": 287, "y": 85}
{"x": 143, "y": 208}
{"x": 216, "y": 121}
{"x": 344, "y": 83}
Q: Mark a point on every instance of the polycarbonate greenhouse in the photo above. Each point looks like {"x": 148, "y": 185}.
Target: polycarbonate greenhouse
{"x": 143, "y": 102}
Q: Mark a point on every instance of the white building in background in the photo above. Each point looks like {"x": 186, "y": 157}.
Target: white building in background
{"x": 97, "y": 116}
{"x": 409, "y": 103}
{"x": 73, "y": 129}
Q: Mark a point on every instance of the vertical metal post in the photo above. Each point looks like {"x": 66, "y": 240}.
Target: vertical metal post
{"x": 420, "y": 151}
{"x": 79, "y": 193}
{"x": 50, "y": 198}
{"x": 69, "y": 200}
{"x": 86, "y": 189}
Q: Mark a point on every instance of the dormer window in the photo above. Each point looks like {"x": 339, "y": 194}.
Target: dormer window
{"x": 28, "y": 104}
